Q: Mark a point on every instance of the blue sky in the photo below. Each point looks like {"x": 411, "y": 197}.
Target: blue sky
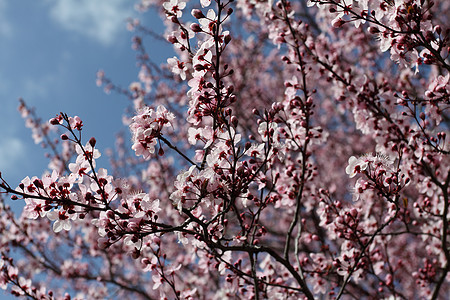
{"x": 50, "y": 51}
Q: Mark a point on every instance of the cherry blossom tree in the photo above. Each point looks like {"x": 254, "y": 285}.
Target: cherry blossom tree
{"x": 289, "y": 150}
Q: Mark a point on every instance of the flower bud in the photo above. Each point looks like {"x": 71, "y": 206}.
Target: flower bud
{"x": 136, "y": 253}
{"x": 227, "y": 39}
{"x": 195, "y": 27}
{"x": 92, "y": 141}
{"x": 199, "y": 67}
{"x": 438, "y": 29}
{"x": 338, "y": 23}
{"x": 38, "y": 183}
{"x": 234, "y": 121}
{"x": 54, "y": 121}
{"x": 172, "y": 39}
{"x": 110, "y": 214}
{"x": 197, "y": 13}
{"x": 373, "y": 30}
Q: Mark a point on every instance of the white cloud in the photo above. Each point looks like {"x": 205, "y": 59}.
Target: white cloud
{"x": 101, "y": 20}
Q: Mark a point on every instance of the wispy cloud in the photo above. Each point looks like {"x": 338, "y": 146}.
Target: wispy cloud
{"x": 101, "y": 20}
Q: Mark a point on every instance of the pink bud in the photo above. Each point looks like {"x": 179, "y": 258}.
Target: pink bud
{"x": 227, "y": 39}
{"x": 110, "y": 214}
{"x": 92, "y": 141}
{"x": 195, "y": 27}
{"x": 136, "y": 253}
{"x": 438, "y": 29}
{"x": 54, "y": 121}
{"x": 373, "y": 30}
{"x": 199, "y": 67}
{"x": 172, "y": 39}
{"x": 338, "y": 23}
{"x": 197, "y": 13}
{"x": 160, "y": 152}
{"x": 234, "y": 121}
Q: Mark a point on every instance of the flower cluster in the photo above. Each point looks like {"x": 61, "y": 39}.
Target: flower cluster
{"x": 146, "y": 128}
{"x": 60, "y": 199}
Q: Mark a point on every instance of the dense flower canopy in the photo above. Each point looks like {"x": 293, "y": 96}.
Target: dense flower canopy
{"x": 290, "y": 150}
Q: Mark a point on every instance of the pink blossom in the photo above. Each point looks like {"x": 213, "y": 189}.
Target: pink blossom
{"x": 62, "y": 220}
{"x": 177, "y": 67}
{"x": 174, "y": 7}
{"x": 355, "y": 166}
{"x": 146, "y": 128}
